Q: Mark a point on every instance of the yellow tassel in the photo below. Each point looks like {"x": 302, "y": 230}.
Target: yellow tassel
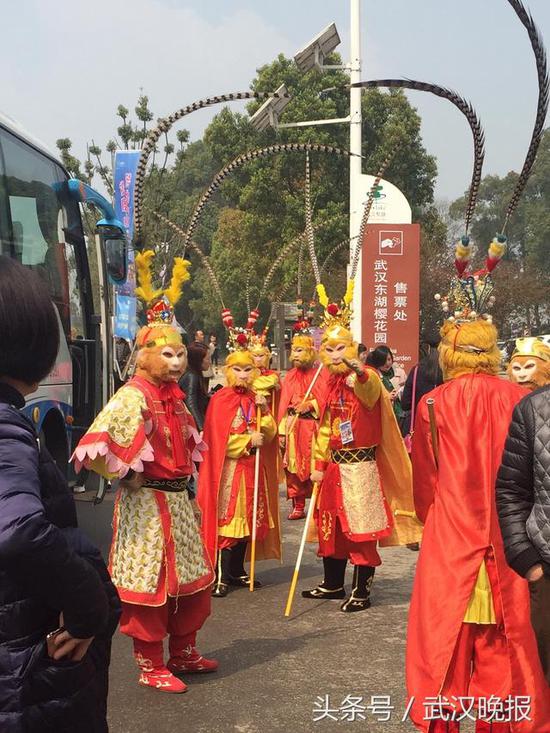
{"x": 462, "y": 252}
{"x": 180, "y": 275}
{"x": 322, "y": 293}
{"x": 496, "y": 249}
{"x": 145, "y": 291}
{"x": 348, "y": 297}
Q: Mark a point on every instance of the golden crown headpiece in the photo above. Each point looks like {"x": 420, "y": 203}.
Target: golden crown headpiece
{"x": 471, "y": 293}
{"x": 258, "y": 339}
{"x": 239, "y": 338}
{"x": 302, "y": 328}
{"x": 532, "y": 346}
{"x": 334, "y": 314}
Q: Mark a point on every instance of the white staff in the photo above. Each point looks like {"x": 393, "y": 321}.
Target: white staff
{"x": 310, "y": 510}
{"x": 255, "y": 501}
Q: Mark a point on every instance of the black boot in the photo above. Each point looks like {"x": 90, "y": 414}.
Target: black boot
{"x": 237, "y": 574}
{"x": 363, "y": 576}
{"x": 332, "y": 587}
{"x": 223, "y": 565}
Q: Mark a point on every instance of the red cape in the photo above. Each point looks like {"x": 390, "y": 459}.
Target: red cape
{"x": 296, "y": 382}
{"x": 457, "y": 503}
{"x": 222, "y": 408}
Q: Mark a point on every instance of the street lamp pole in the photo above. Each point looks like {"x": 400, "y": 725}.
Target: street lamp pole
{"x": 355, "y": 129}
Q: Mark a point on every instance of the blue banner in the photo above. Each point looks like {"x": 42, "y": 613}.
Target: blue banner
{"x": 125, "y": 317}
{"x": 126, "y": 162}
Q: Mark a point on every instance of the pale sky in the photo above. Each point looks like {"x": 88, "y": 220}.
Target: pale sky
{"x": 67, "y": 64}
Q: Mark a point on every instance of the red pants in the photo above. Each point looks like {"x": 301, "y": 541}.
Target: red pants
{"x": 479, "y": 668}
{"x": 296, "y": 488}
{"x": 181, "y": 618}
{"x": 336, "y": 544}
{"x": 480, "y": 665}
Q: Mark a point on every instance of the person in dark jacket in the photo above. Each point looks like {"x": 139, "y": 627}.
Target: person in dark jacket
{"x": 428, "y": 376}
{"x": 523, "y": 504}
{"x": 53, "y": 581}
{"x": 392, "y": 375}
{"x": 193, "y": 383}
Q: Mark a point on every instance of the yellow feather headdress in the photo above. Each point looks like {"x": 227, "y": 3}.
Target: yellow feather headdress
{"x": 161, "y": 301}
{"x": 334, "y": 314}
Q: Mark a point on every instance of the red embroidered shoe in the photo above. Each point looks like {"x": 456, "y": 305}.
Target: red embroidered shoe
{"x": 297, "y": 513}
{"x": 190, "y": 661}
{"x": 298, "y": 508}
{"x": 162, "y": 679}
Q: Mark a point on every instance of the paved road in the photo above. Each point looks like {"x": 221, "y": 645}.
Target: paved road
{"x": 272, "y": 669}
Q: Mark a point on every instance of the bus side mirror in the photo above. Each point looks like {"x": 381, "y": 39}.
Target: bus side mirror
{"x": 116, "y": 258}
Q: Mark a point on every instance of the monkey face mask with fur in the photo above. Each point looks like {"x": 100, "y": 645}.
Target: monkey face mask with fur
{"x": 337, "y": 345}
{"x": 162, "y": 357}
{"x": 530, "y": 363}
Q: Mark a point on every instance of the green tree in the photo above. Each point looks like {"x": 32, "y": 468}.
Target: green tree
{"x": 260, "y": 207}
{"x": 71, "y": 163}
{"x": 271, "y": 191}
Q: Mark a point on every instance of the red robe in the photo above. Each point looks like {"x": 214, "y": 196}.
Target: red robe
{"x": 222, "y": 409}
{"x": 364, "y": 501}
{"x": 457, "y": 503}
{"x": 294, "y": 387}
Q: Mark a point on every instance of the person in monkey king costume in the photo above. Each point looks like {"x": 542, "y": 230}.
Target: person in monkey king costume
{"x": 299, "y": 417}
{"x": 361, "y": 465}
{"x": 146, "y": 437}
{"x": 530, "y": 363}
{"x": 226, "y": 479}
{"x": 469, "y": 636}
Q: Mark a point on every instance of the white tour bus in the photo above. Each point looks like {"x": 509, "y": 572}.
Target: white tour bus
{"x": 41, "y": 227}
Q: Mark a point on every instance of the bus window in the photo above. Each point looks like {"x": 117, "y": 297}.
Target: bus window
{"x": 78, "y": 327}
{"x": 38, "y": 218}
{"x": 5, "y": 233}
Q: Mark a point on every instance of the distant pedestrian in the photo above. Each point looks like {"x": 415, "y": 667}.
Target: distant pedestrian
{"x": 193, "y": 383}
{"x": 122, "y": 354}
{"x": 214, "y": 352}
{"x": 392, "y": 375}
{"x": 58, "y": 608}
{"x": 424, "y": 377}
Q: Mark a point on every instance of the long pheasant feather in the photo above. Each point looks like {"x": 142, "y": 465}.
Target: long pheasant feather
{"x": 539, "y": 50}
{"x": 466, "y": 109}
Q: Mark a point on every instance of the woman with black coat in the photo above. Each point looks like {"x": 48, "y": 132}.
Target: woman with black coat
{"x": 193, "y": 383}
{"x": 53, "y": 581}
{"x": 428, "y": 376}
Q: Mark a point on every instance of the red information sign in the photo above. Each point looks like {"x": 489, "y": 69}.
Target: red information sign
{"x": 390, "y": 280}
